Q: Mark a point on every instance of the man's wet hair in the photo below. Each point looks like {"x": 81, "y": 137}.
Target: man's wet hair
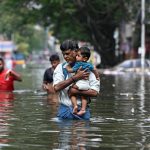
{"x": 69, "y": 45}
{"x": 85, "y": 51}
{"x": 54, "y": 57}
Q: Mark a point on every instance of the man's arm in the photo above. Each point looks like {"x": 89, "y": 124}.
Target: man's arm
{"x": 81, "y": 74}
{"x": 44, "y": 85}
{"x": 49, "y": 88}
{"x": 96, "y": 73}
{"x": 14, "y": 74}
{"x": 90, "y": 92}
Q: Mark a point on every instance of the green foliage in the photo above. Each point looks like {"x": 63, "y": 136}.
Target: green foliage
{"x": 89, "y": 20}
{"x": 32, "y": 37}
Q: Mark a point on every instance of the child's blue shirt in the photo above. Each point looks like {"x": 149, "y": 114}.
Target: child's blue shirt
{"x": 84, "y": 66}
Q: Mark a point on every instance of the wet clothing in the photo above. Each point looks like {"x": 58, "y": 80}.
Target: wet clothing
{"x": 65, "y": 112}
{"x": 83, "y": 84}
{"x": 65, "y": 101}
{"x": 6, "y": 84}
{"x": 84, "y": 66}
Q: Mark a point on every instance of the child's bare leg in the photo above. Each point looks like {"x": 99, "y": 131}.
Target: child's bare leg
{"x": 74, "y": 103}
{"x": 84, "y": 105}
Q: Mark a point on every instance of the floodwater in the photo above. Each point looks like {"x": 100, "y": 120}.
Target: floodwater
{"x": 120, "y": 117}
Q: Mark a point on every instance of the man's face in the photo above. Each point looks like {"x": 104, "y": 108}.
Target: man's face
{"x": 1, "y": 66}
{"x": 55, "y": 63}
{"x": 69, "y": 55}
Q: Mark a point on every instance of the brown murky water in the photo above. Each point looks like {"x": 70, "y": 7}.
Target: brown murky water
{"x": 120, "y": 117}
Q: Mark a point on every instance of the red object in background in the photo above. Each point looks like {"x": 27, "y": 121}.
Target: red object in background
{"x": 6, "y": 85}
{"x": 6, "y": 96}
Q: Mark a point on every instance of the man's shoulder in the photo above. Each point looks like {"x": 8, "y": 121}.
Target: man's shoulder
{"x": 49, "y": 70}
{"x": 59, "y": 67}
{"x": 62, "y": 65}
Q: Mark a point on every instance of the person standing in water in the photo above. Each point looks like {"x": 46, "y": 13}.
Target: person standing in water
{"x": 48, "y": 79}
{"x": 7, "y": 77}
{"x": 64, "y": 80}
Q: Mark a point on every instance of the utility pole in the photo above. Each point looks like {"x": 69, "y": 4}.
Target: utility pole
{"x": 142, "y": 33}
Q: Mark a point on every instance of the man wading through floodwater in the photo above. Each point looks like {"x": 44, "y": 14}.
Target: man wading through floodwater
{"x": 63, "y": 80}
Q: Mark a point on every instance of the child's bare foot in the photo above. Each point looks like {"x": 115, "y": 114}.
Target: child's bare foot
{"x": 75, "y": 109}
{"x": 81, "y": 112}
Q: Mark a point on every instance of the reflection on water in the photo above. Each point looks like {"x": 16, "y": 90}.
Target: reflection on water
{"x": 74, "y": 135}
{"x": 6, "y": 108}
{"x": 120, "y": 117}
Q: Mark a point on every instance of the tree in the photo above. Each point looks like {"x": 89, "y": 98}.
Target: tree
{"x": 92, "y": 21}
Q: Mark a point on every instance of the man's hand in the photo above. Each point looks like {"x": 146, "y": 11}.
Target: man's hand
{"x": 44, "y": 86}
{"x": 81, "y": 74}
{"x": 48, "y": 87}
{"x": 14, "y": 74}
{"x": 8, "y": 74}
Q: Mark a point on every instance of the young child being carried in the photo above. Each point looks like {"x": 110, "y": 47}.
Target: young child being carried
{"x": 82, "y": 57}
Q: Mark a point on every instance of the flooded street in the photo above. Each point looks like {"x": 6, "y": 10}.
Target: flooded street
{"x": 120, "y": 117}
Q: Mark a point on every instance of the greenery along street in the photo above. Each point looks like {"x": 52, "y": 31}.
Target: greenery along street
{"x": 92, "y": 21}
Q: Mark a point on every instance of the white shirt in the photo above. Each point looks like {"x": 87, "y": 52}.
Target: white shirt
{"x": 58, "y": 76}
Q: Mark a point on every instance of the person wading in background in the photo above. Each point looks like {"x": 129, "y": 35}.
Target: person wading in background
{"x": 48, "y": 79}
{"x": 7, "y": 77}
